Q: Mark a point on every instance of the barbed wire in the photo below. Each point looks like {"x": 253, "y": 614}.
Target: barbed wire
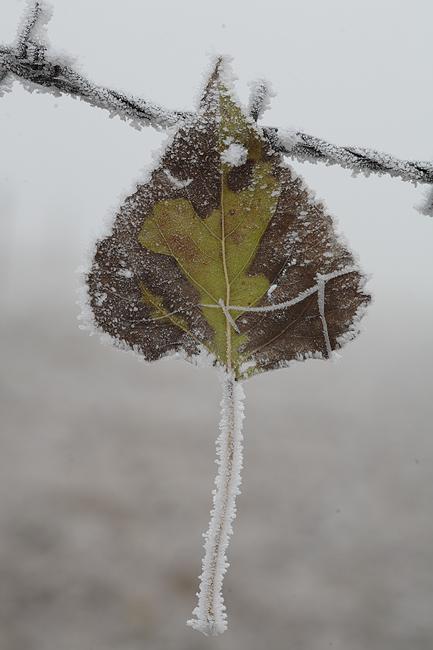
{"x": 27, "y": 60}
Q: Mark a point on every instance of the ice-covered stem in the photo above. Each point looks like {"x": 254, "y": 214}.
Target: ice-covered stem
{"x": 32, "y": 65}
{"x": 24, "y": 34}
{"x": 210, "y": 616}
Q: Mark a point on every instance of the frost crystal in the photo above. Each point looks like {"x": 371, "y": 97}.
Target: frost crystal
{"x": 210, "y": 616}
{"x": 234, "y": 155}
{"x": 427, "y": 205}
{"x": 288, "y": 138}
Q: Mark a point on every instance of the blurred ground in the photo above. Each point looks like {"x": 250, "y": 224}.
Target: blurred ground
{"x": 101, "y": 514}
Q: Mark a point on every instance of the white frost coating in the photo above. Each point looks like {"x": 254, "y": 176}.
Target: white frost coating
{"x": 213, "y": 59}
{"x": 234, "y": 155}
{"x": 247, "y": 365}
{"x": 261, "y": 93}
{"x": 140, "y": 112}
{"x": 358, "y": 159}
{"x": 210, "y": 616}
{"x": 176, "y": 182}
{"x": 228, "y": 79}
{"x": 354, "y": 327}
{"x": 226, "y": 76}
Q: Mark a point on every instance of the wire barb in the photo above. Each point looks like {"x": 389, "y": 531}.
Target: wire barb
{"x": 287, "y": 303}
{"x": 28, "y": 25}
{"x": 308, "y": 148}
{"x": 260, "y": 98}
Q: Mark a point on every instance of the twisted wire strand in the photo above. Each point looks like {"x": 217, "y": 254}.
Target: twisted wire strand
{"x": 28, "y": 61}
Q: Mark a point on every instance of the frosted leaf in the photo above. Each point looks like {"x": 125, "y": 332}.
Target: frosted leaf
{"x": 261, "y": 94}
{"x": 224, "y": 257}
{"x": 219, "y": 222}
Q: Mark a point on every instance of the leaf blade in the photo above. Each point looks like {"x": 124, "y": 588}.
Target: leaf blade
{"x": 223, "y": 222}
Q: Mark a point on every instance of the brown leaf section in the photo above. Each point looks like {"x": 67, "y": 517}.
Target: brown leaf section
{"x": 121, "y": 264}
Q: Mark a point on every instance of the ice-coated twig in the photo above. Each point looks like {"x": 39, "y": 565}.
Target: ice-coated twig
{"x": 56, "y": 76}
{"x": 318, "y": 288}
{"x": 27, "y": 27}
{"x": 210, "y": 616}
{"x": 24, "y": 35}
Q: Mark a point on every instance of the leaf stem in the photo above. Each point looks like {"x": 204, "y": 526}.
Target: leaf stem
{"x": 210, "y": 616}
{"x": 226, "y": 278}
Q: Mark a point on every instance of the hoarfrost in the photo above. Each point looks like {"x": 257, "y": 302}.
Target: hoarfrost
{"x": 210, "y": 616}
{"x": 289, "y": 138}
{"x": 176, "y": 181}
{"x": 124, "y": 273}
{"x": 261, "y": 93}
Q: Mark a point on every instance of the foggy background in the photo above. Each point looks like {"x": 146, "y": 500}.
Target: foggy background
{"x": 106, "y": 463}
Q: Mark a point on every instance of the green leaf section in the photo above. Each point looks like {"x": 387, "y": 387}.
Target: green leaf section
{"x": 214, "y": 253}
